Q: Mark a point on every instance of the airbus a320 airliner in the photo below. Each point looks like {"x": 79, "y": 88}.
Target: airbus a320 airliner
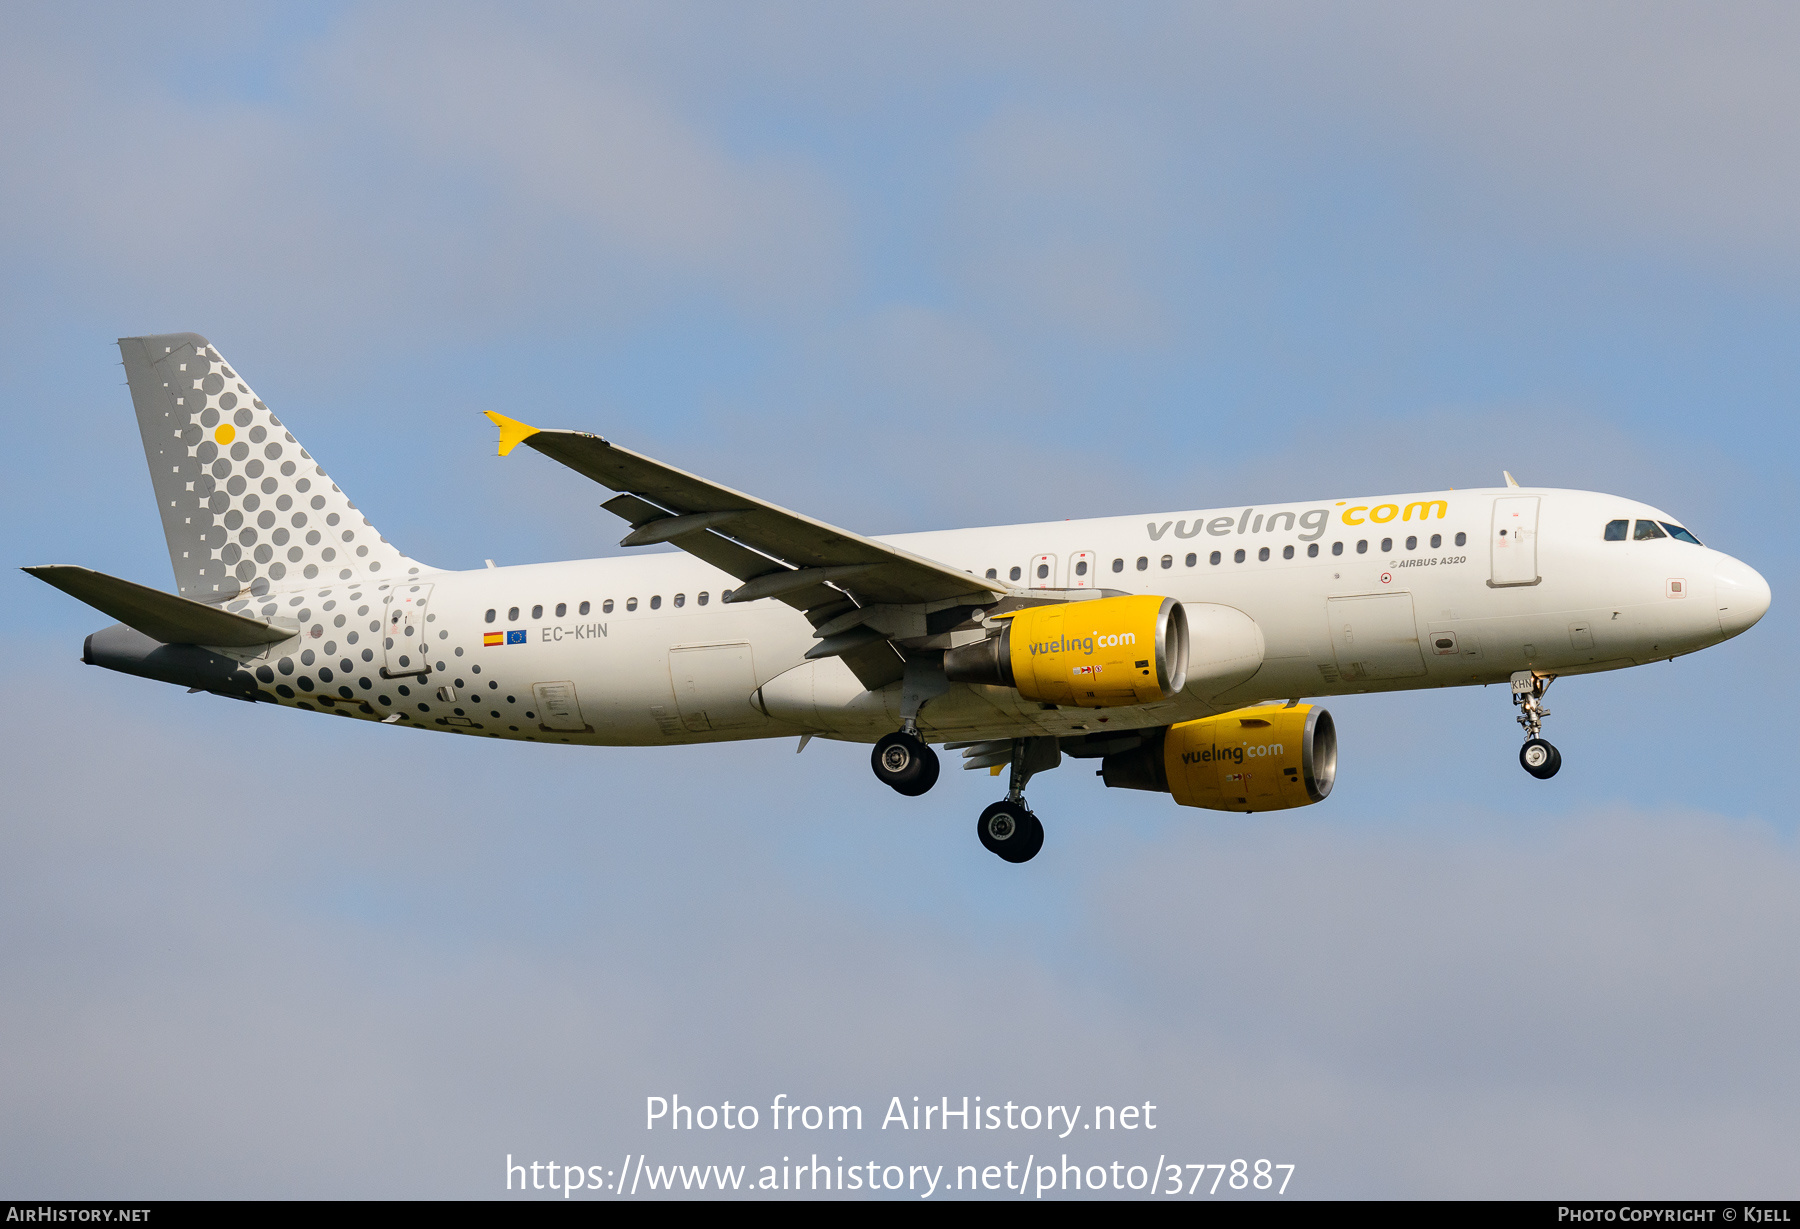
{"x": 1176, "y": 649}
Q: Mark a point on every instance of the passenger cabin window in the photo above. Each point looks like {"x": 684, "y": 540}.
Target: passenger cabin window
{"x": 1616, "y": 530}
{"x": 562, "y": 608}
{"x": 1263, "y": 554}
{"x": 1043, "y": 571}
{"x": 656, "y": 602}
{"x": 725, "y": 595}
{"x": 1143, "y": 563}
{"x": 1237, "y": 556}
{"x": 1214, "y": 558}
{"x": 1647, "y": 530}
{"x": 1362, "y": 546}
{"x": 1680, "y": 534}
{"x": 1337, "y": 548}
{"x": 1287, "y": 552}
{"x": 702, "y": 598}
{"x": 1192, "y": 559}
{"x": 584, "y": 608}
{"x": 993, "y": 573}
{"x": 606, "y": 606}
{"x": 1118, "y": 565}
{"x": 1168, "y": 561}
{"x": 489, "y": 617}
{"x": 680, "y": 600}
{"x": 1081, "y": 567}
{"x": 1412, "y": 542}
{"x": 1014, "y": 574}
{"x": 1312, "y": 550}
{"x": 512, "y": 616}
{"x": 537, "y": 612}
{"x": 631, "y": 603}
{"x": 1387, "y": 544}
{"x": 1462, "y": 539}
{"x": 1437, "y": 540}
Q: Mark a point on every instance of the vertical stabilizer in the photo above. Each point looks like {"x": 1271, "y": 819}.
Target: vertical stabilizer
{"x": 245, "y": 508}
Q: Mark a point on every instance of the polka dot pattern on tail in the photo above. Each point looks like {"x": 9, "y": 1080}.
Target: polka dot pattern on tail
{"x": 227, "y": 471}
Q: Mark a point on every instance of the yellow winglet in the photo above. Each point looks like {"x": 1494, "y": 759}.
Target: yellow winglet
{"x": 512, "y": 431}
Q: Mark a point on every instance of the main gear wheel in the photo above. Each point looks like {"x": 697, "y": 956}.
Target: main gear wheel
{"x": 906, "y": 762}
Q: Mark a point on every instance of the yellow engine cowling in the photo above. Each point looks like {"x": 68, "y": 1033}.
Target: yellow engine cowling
{"x": 1266, "y": 758}
{"x": 1103, "y": 653}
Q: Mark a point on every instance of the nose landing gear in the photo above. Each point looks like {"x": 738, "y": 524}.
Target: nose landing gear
{"x": 1537, "y": 757}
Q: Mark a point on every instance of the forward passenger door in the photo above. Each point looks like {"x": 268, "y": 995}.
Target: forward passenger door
{"x": 1512, "y": 541}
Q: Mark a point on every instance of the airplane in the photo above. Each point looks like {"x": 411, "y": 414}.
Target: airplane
{"x": 1176, "y": 649}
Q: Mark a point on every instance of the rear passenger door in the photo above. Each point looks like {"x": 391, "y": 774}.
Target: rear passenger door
{"x": 403, "y": 640}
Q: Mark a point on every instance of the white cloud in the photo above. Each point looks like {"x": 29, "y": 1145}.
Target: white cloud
{"x": 558, "y": 129}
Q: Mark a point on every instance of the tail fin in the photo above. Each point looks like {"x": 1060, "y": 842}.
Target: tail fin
{"x": 246, "y": 510}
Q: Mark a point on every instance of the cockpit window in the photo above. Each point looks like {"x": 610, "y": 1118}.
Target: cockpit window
{"x": 1616, "y": 530}
{"x": 1680, "y": 534}
{"x": 1647, "y": 530}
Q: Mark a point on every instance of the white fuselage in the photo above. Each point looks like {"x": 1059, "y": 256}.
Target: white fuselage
{"x": 658, "y": 657}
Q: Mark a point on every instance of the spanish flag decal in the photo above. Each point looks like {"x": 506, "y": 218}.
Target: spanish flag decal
{"x": 488, "y": 639}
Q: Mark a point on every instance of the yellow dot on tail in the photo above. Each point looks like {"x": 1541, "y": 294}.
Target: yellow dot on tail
{"x": 225, "y": 434}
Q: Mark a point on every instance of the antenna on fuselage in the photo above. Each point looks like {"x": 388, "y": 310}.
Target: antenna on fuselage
{"x": 1510, "y": 480}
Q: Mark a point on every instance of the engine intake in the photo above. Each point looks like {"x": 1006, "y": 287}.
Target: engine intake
{"x": 1104, "y": 653}
{"x": 1267, "y": 758}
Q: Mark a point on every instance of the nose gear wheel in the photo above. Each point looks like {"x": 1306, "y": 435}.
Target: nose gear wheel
{"x": 1540, "y": 759}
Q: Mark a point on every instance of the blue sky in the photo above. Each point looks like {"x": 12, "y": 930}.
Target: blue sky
{"x": 903, "y": 267}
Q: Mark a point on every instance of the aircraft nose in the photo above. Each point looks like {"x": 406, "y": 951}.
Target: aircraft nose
{"x": 1743, "y": 595}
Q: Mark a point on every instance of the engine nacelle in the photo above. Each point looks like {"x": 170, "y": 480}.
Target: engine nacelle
{"x": 1103, "y": 653}
{"x": 1266, "y": 758}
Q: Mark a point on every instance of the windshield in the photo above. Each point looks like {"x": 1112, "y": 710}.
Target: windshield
{"x": 1676, "y": 531}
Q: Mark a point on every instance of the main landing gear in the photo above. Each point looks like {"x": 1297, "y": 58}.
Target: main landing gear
{"x": 1008, "y": 829}
{"x": 905, "y": 762}
{"x": 1537, "y": 757}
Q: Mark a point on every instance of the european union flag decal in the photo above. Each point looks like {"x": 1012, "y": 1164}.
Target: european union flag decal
{"x": 517, "y": 637}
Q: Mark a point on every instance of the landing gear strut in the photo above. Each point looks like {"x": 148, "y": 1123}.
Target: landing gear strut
{"x": 902, "y": 759}
{"x": 1537, "y": 757}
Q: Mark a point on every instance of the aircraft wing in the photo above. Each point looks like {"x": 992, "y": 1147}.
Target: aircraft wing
{"x": 805, "y": 563}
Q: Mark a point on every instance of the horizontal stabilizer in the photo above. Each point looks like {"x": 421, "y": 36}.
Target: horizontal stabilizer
{"x": 160, "y": 616}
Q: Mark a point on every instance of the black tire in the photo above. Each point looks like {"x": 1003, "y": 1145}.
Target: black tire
{"x": 905, "y": 762}
{"x": 1540, "y": 759}
{"x": 1010, "y": 832}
